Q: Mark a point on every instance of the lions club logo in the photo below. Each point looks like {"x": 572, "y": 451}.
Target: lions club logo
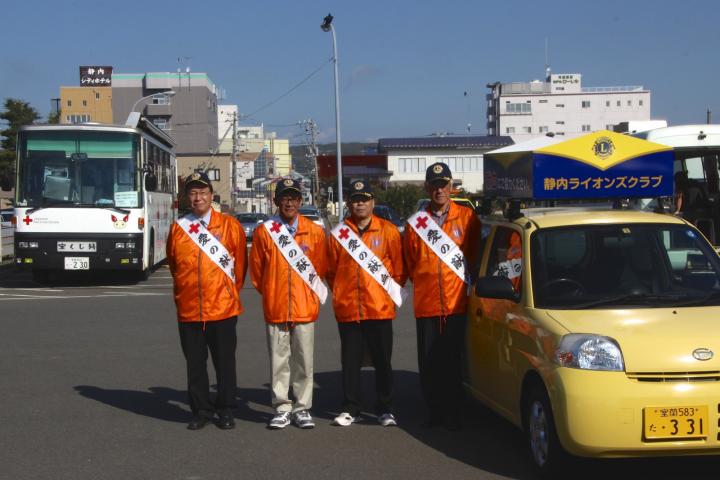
{"x": 437, "y": 169}
{"x": 288, "y": 182}
{"x": 603, "y": 147}
{"x": 359, "y": 185}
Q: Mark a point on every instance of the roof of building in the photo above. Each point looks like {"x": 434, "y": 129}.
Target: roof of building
{"x": 444, "y": 141}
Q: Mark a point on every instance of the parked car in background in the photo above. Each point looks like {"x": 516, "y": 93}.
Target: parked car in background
{"x": 387, "y": 212}
{"x": 312, "y": 213}
{"x": 250, "y": 221}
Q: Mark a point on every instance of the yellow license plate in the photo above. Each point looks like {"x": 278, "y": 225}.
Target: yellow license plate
{"x": 670, "y": 423}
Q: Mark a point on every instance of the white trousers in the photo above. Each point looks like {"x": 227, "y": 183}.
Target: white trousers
{"x": 291, "y": 364}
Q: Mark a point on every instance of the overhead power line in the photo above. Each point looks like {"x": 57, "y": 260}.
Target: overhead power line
{"x": 289, "y": 91}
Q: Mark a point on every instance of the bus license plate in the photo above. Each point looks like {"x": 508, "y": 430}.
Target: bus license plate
{"x": 670, "y": 423}
{"x": 77, "y": 263}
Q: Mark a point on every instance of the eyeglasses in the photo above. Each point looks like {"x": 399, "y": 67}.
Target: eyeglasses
{"x": 288, "y": 200}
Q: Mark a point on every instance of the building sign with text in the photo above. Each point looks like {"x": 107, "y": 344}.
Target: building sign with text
{"x": 95, "y": 76}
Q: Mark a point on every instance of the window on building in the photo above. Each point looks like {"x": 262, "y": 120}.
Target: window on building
{"x": 542, "y": 101}
{"x": 77, "y": 118}
{"x": 560, "y": 105}
{"x": 629, "y": 103}
{"x": 586, "y": 128}
{"x": 510, "y": 130}
{"x": 527, "y": 129}
{"x": 161, "y": 99}
{"x": 586, "y": 104}
{"x": 97, "y": 95}
{"x": 607, "y": 103}
{"x": 543, "y": 129}
{"x": 69, "y": 103}
{"x": 160, "y": 122}
{"x": 84, "y": 103}
{"x": 411, "y": 165}
{"x": 560, "y": 122}
{"x": 213, "y": 174}
{"x": 640, "y": 102}
{"x": 248, "y": 183}
{"x": 517, "y": 108}
{"x": 618, "y": 103}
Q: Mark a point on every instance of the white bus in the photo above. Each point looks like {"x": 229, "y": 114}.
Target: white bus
{"x": 697, "y": 155}
{"x": 93, "y": 197}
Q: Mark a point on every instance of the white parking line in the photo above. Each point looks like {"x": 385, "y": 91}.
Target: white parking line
{"x": 31, "y": 289}
{"x": 62, "y": 297}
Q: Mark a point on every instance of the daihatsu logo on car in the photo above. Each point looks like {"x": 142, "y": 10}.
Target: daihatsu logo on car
{"x": 702, "y": 354}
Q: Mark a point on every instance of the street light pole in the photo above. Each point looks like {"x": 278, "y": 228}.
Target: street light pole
{"x": 327, "y": 27}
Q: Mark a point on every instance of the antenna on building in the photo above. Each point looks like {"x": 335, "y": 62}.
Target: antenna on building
{"x": 547, "y": 61}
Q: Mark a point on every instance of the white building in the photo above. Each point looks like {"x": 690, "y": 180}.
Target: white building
{"x": 562, "y": 106}
{"x": 408, "y": 158}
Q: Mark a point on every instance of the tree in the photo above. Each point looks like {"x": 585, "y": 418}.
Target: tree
{"x": 402, "y": 198}
{"x": 54, "y": 117}
{"x": 17, "y": 113}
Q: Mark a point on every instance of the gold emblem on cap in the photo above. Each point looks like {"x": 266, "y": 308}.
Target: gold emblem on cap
{"x": 288, "y": 182}
{"x": 437, "y": 169}
{"x": 195, "y": 176}
{"x": 359, "y": 185}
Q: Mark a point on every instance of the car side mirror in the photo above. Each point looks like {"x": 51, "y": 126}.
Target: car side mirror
{"x": 500, "y": 288}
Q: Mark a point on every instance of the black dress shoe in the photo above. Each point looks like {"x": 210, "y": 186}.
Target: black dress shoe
{"x": 198, "y": 422}
{"x": 226, "y": 421}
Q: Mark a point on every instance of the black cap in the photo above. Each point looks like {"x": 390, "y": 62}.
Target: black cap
{"x": 361, "y": 188}
{"x": 438, "y": 171}
{"x": 287, "y": 186}
{"x": 197, "y": 179}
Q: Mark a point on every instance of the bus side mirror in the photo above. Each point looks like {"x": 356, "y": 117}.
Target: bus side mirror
{"x": 5, "y": 183}
{"x": 151, "y": 182}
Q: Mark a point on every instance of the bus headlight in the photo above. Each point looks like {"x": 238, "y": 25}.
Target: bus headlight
{"x": 119, "y": 245}
{"x": 130, "y": 245}
{"x": 589, "y": 352}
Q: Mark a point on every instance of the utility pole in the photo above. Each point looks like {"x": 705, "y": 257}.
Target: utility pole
{"x": 311, "y": 132}
{"x": 233, "y": 181}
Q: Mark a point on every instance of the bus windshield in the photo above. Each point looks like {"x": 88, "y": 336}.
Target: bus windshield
{"x": 78, "y": 168}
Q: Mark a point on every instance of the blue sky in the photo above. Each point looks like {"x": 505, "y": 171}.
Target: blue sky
{"x": 404, "y": 65}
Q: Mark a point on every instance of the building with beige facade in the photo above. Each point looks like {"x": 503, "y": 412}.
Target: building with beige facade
{"x": 86, "y": 104}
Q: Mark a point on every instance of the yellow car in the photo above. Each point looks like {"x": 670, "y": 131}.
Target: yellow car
{"x": 597, "y": 331}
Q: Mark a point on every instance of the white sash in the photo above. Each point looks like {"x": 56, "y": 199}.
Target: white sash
{"x": 439, "y": 242}
{"x": 296, "y": 258}
{"x": 368, "y": 261}
{"x": 209, "y": 245}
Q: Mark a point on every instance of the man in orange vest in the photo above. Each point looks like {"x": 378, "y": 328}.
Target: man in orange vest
{"x": 287, "y": 265}
{"x": 207, "y": 258}
{"x": 440, "y": 249}
{"x": 365, "y": 273}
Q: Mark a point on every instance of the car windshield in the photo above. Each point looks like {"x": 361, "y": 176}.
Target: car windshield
{"x": 617, "y": 266}
{"x": 77, "y": 168}
{"x": 385, "y": 212}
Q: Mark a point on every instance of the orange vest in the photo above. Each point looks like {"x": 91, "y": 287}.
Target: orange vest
{"x": 286, "y": 297}
{"x": 356, "y": 294}
{"x": 438, "y": 291}
{"x": 203, "y": 292}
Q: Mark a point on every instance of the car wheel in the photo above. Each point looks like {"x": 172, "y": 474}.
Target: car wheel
{"x": 546, "y": 452}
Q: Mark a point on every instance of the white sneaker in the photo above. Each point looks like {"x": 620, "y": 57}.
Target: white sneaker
{"x": 280, "y": 420}
{"x": 344, "y": 420}
{"x": 387, "y": 420}
{"x": 303, "y": 419}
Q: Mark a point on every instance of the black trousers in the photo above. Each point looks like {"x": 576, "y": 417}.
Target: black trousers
{"x": 220, "y": 338}
{"x": 440, "y": 343}
{"x": 378, "y": 335}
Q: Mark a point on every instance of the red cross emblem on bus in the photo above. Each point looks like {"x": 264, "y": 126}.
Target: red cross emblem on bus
{"x": 194, "y": 228}
{"x": 344, "y": 233}
{"x": 275, "y": 228}
{"x": 27, "y": 219}
{"x": 421, "y": 222}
